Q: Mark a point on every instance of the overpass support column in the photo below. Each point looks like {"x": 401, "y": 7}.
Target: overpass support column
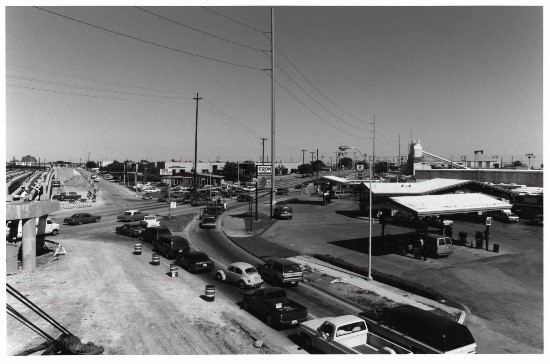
{"x": 29, "y": 244}
{"x": 41, "y": 232}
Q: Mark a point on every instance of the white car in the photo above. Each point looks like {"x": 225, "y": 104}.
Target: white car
{"x": 242, "y": 274}
{"x": 51, "y": 228}
{"x": 149, "y": 221}
{"x": 249, "y": 189}
{"x": 150, "y": 190}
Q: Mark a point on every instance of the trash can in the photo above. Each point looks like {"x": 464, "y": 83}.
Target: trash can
{"x": 462, "y": 238}
{"x": 479, "y": 239}
{"x": 173, "y": 270}
{"x": 210, "y": 292}
{"x": 496, "y": 247}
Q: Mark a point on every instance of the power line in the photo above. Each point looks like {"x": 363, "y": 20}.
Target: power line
{"x": 33, "y": 79}
{"x": 233, "y": 20}
{"x": 318, "y": 103}
{"x": 316, "y": 88}
{"x": 198, "y": 30}
{"x": 148, "y": 42}
{"x": 95, "y": 96}
{"x": 313, "y": 112}
{"x": 90, "y": 79}
{"x": 229, "y": 117}
{"x": 218, "y": 116}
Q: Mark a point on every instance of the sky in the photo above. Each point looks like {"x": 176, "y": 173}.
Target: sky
{"x": 115, "y": 83}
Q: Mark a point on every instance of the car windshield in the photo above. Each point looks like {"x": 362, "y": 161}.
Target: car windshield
{"x": 251, "y": 270}
{"x": 199, "y": 256}
{"x": 127, "y": 213}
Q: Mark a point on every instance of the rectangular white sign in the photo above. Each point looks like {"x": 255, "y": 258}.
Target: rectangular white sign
{"x": 165, "y": 172}
{"x": 263, "y": 170}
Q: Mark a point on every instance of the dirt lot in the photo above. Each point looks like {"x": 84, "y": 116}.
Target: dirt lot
{"x": 127, "y": 305}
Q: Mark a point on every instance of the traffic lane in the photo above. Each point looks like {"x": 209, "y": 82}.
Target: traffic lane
{"x": 218, "y": 247}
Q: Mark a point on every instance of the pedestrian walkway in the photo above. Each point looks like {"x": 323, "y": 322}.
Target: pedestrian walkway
{"x": 233, "y": 227}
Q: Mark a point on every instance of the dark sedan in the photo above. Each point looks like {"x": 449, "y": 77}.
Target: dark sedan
{"x": 195, "y": 261}
{"x": 79, "y": 219}
{"x": 131, "y": 230}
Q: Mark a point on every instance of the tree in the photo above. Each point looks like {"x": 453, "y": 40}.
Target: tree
{"x": 317, "y": 165}
{"x": 91, "y": 164}
{"x": 28, "y": 158}
{"x": 305, "y": 168}
{"x": 380, "y": 167}
{"x": 230, "y": 171}
{"x": 346, "y": 162}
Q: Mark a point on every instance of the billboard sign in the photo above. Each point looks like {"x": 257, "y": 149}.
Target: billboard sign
{"x": 165, "y": 172}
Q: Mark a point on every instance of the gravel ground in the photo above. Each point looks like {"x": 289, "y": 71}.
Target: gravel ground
{"x": 127, "y": 305}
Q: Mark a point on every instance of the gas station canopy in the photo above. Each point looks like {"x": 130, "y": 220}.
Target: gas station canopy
{"x": 449, "y": 204}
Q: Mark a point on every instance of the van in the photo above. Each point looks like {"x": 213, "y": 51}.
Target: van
{"x": 51, "y": 227}
{"x": 434, "y": 245}
{"x": 420, "y": 331}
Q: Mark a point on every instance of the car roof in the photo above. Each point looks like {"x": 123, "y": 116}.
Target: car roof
{"x": 430, "y": 320}
{"x": 131, "y": 211}
{"x": 283, "y": 261}
{"x": 242, "y": 265}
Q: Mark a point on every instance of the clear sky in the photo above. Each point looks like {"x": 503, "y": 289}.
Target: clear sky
{"x": 457, "y": 78}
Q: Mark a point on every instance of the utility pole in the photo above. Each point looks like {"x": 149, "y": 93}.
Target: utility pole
{"x": 530, "y": 155}
{"x": 196, "y": 134}
{"x": 263, "y": 149}
{"x": 317, "y": 166}
{"x": 272, "y": 114}
{"x": 312, "y": 153}
{"x": 399, "y": 158}
{"x": 331, "y": 163}
{"x": 303, "y": 156}
{"x": 476, "y": 152}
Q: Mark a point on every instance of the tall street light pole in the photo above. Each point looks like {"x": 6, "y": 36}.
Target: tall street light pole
{"x": 476, "y": 152}
{"x": 344, "y": 148}
{"x": 196, "y": 134}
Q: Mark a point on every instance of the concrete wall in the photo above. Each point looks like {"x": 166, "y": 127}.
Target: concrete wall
{"x": 530, "y": 178}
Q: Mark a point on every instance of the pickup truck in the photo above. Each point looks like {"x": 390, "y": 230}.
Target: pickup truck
{"x": 208, "y": 221}
{"x": 345, "y": 335}
{"x": 272, "y": 305}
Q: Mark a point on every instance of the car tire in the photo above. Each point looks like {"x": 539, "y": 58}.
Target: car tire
{"x": 295, "y": 284}
{"x": 80, "y": 223}
{"x": 270, "y": 321}
{"x": 218, "y": 277}
{"x": 96, "y": 220}
{"x": 306, "y": 342}
{"x": 55, "y": 232}
{"x": 246, "y": 306}
{"x": 241, "y": 285}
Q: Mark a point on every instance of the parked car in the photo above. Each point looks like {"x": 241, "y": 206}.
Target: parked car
{"x": 149, "y": 221}
{"x": 244, "y": 198}
{"x": 150, "y": 190}
{"x": 242, "y": 274}
{"x": 152, "y": 234}
{"x": 171, "y": 246}
{"x": 147, "y": 196}
{"x": 298, "y": 186}
{"x": 132, "y": 230}
{"x": 420, "y": 331}
{"x": 345, "y": 335}
{"x": 51, "y": 227}
{"x": 434, "y": 245}
{"x": 341, "y": 194}
{"x": 131, "y": 215}
{"x": 281, "y": 271}
{"x": 537, "y": 220}
{"x": 505, "y": 216}
{"x": 195, "y": 261}
{"x": 282, "y": 191}
{"x": 282, "y": 212}
{"x": 199, "y": 202}
{"x": 83, "y": 218}
{"x": 273, "y": 306}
